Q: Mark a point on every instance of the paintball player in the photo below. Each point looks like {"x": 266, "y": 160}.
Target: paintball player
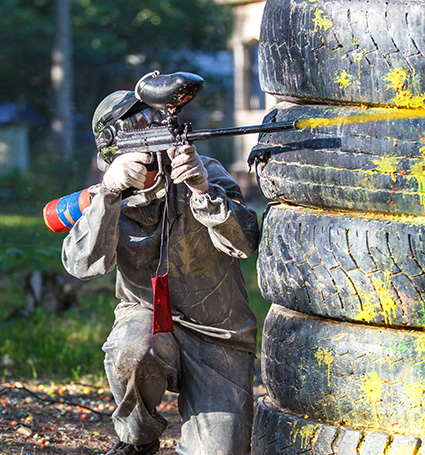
{"x": 192, "y": 227}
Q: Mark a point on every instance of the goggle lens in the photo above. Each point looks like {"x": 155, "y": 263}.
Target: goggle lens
{"x": 140, "y": 120}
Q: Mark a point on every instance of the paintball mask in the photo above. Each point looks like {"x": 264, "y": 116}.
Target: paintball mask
{"x": 120, "y": 110}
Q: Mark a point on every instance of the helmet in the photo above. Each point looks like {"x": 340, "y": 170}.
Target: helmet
{"x": 120, "y": 110}
{"x": 114, "y": 107}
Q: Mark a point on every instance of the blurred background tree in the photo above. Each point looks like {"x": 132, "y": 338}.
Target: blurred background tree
{"x": 114, "y": 43}
{"x": 51, "y": 70}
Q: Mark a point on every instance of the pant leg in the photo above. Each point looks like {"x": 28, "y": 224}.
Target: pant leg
{"x": 139, "y": 367}
{"x": 216, "y": 399}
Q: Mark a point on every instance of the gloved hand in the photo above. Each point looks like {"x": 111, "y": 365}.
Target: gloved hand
{"x": 127, "y": 170}
{"x": 187, "y": 167}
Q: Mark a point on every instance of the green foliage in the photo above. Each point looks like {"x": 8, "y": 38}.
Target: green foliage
{"x": 153, "y": 29}
{"x": 114, "y": 44}
{"x": 25, "y": 66}
{"x": 27, "y": 233}
{"x": 26, "y": 245}
{"x": 27, "y": 194}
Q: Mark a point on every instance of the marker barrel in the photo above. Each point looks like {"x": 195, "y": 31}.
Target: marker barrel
{"x": 61, "y": 214}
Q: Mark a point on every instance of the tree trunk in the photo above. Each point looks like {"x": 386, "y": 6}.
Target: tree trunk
{"x": 62, "y": 81}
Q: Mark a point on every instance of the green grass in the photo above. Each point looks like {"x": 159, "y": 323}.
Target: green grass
{"x": 66, "y": 345}
{"x": 21, "y": 230}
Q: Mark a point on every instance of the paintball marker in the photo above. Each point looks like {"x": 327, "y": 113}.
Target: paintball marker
{"x": 168, "y": 93}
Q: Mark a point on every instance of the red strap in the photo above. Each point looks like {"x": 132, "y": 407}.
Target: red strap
{"x": 162, "y": 320}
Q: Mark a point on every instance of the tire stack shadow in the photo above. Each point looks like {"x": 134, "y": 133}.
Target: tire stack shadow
{"x": 342, "y": 254}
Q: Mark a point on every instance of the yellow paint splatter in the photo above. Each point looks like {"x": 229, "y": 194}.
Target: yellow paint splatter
{"x": 416, "y": 393}
{"x": 388, "y": 304}
{"x": 403, "y": 450}
{"x": 344, "y": 79}
{"x": 294, "y": 431}
{"x": 396, "y": 79}
{"x": 372, "y": 387}
{"x": 357, "y": 58}
{"x": 307, "y": 434}
{"x": 373, "y": 115}
{"x": 387, "y": 165}
{"x": 321, "y": 22}
{"x": 418, "y": 172}
{"x": 322, "y": 355}
{"x": 368, "y": 313}
{"x": 404, "y": 98}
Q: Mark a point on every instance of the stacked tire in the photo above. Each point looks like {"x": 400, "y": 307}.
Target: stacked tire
{"x": 342, "y": 251}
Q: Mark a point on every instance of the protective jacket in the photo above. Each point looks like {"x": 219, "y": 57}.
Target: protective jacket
{"x": 208, "y": 234}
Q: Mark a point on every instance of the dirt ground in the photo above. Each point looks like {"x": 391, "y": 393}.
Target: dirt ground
{"x": 71, "y": 419}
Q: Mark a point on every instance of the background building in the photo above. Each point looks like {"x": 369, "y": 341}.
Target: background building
{"x": 250, "y": 102}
